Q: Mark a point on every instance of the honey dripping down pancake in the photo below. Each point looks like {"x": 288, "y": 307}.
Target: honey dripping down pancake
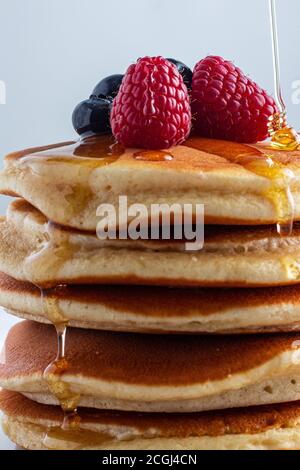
{"x": 60, "y": 389}
{"x": 53, "y": 373}
{"x": 262, "y": 164}
{"x": 155, "y": 373}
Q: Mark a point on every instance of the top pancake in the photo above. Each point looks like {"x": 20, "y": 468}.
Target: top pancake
{"x": 67, "y": 182}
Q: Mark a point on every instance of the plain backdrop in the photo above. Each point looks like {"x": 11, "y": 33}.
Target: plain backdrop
{"x": 53, "y": 52}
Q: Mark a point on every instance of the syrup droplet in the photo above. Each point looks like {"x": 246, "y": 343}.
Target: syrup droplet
{"x": 153, "y": 156}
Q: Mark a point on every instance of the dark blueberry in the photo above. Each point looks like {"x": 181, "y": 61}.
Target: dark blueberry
{"x": 92, "y": 116}
{"x": 185, "y": 71}
{"x": 108, "y": 87}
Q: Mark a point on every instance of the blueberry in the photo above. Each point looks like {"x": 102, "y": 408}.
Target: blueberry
{"x": 185, "y": 71}
{"x": 108, "y": 87}
{"x": 92, "y": 116}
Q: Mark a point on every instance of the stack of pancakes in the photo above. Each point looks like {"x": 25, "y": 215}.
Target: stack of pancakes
{"x": 164, "y": 346}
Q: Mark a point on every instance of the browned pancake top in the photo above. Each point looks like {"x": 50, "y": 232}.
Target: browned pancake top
{"x": 139, "y": 359}
{"x": 216, "y": 423}
{"x": 160, "y": 301}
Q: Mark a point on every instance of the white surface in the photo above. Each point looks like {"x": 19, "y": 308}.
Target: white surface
{"x": 6, "y": 322}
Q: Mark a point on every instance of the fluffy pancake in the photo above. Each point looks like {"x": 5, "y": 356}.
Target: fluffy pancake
{"x": 33, "y": 250}
{"x": 119, "y": 308}
{"x": 154, "y": 373}
{"x": 35, "y": 426}
{"x": 67, "y": 182}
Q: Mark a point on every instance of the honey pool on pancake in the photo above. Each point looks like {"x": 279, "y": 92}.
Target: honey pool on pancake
{"x": 153, "y": 156}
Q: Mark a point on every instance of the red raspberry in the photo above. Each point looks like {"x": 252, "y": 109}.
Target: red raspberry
{"x": 152, "y": 109}
{"x": 228, "y": 105}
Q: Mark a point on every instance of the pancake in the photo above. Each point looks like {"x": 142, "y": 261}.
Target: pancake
{"x": 37, "y": 427}
{"x": 152, "y": 373}
{"x": 67, "y": 182}
{"x": 33, "y": 250}
{"x": 162, "y": 310}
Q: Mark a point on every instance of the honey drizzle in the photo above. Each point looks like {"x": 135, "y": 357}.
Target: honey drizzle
{"x": 89, "y": 157}
{"x": 262, "y": 163}
{"x": 53, "y": 374}
{"x": 153, "y": 156}
{"x": 91, "y": 153}
{"x": 77, "y": 439}
{"x": 59, "y": 388}
{"x": 282, "y": 136}
{"x": 87, "y": 154}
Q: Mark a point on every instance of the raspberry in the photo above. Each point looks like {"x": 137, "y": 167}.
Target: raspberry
{"x": 228, "y": 105}
{"x": 152, "y": 109}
